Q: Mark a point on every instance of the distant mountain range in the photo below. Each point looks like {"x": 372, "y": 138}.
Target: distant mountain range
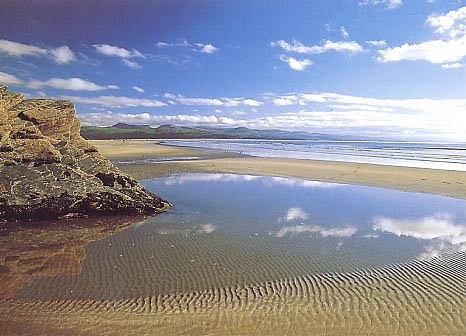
{"x": 127, "y": 131}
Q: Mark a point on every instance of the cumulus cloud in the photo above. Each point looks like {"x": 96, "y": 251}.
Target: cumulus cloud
{"x": 452, "y": 23}
{"x": 295, "y": 213}
{"x": 299, "y": 47}
{"x": 449, "y": 49}
{"x": 61, "y": 55}
{"x": 138, "y": 89}
{"x": 390, "y": 4}
{"x": 207, "y": 48}
{"x": 75, "y": 84}
{"x": 293, "y": 63}
{"x": 324, "y": 232}
{"x": 434, "y": 51}
{"x": 10, "y": 79}
{"x": 117, "y": 102}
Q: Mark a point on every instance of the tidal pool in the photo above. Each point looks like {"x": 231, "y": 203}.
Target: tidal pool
{"x": 237, "y": 230}
{"x": 240, "y": 251}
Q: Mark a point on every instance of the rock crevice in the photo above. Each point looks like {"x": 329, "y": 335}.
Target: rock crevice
{"x": 47, "y": 170}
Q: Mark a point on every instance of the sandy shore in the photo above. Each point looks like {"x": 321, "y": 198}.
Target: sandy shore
{"x": 433, "y": 181}
{"x": 140, "y": 149}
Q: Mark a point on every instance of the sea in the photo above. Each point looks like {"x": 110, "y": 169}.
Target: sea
{"x": 433, "y": 155}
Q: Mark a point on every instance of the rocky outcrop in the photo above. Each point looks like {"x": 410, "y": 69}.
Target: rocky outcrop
{"x": 47, "y": 170}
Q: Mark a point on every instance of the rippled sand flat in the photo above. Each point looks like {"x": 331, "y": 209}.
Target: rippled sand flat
{"x": 419, "y": 297}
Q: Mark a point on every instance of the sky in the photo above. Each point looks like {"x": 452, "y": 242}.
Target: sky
{"x": 387, "y": 69}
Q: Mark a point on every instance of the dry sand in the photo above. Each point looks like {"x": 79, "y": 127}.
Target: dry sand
{"x": 441, "y": 182}
{"x": 139, "y": 149}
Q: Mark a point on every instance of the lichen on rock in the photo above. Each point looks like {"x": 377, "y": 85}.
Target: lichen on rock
{"x": 47, "y": 170}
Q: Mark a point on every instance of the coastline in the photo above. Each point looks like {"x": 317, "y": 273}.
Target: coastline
{"x": 422, "y": 180}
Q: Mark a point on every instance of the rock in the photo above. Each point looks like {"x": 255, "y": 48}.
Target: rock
{"x": 47, "y": 170}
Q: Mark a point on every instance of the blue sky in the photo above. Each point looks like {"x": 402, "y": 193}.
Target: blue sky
{"x": 375, "y": 68}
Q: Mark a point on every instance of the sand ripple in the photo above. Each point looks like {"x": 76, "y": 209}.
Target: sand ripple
{"x": 421, "y": 297}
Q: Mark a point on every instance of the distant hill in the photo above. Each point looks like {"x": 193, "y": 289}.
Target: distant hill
{"x": 169, "y": 131}
{"x": 128, "y": 126}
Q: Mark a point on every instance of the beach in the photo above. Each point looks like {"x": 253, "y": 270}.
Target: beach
{"x": 432, "y": 181}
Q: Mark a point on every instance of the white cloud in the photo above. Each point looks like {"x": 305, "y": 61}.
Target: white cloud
{"x": 19, "y": 49}
{"x": 324, "y": 232}
{"x": 452, "y": 23}
{"x": 327, "y": 112}
{"x": 197, "y": 101}
{"x": 453, "y": 65}
{"x": 109, "y": 50}
{"x": 110, "y": 118}
{"x": 377, "y": 43}
{"x": 131, "y": 64}
{"x": 207, "y": 48}
{"x": 223, "y": 101}
{"x": 117, "y": 101}
{"x": 10, "y": 79}
{"x": 435, "y": 51}
{"x": 63, "y": 55}
{"x": 390, "y": 4}
{"x": 400, "y": 118}
{"x": 161, "y": 44}
{"x": 451, "y": 48}
{"x": 298, "y": 47}
{"x": 344, "y": 32}
{"x": 138, "y": 89}
{"x": 251, "y": 102}
{"x": 293, "y": 63}
{"x": 75, "y": 84}
{"x": 295, "y": 213}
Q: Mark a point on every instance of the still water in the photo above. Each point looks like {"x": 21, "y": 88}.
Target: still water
{"x": 238, "y": 230}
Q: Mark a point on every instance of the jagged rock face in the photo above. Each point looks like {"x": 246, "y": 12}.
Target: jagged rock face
{"x": 47, "y": 170}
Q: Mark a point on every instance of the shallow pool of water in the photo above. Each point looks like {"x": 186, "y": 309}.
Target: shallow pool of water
{"x": 237, "y": 230}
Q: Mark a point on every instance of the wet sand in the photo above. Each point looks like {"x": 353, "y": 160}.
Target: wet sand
{"x": 432, "y": 181}
{"x": 427, "y": 297}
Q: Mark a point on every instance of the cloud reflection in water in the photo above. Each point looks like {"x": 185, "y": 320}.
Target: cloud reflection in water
{"x": 445, "y": 234}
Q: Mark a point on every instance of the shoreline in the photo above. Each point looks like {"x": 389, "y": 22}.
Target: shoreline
{"x": 422, "y": 180}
